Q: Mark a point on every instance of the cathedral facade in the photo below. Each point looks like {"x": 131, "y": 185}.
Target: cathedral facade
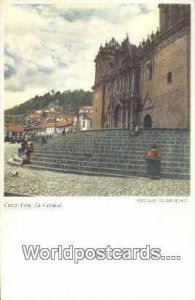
{"x": 148, "y": 85}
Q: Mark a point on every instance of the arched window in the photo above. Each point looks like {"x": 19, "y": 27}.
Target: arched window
{"x": 147, "y": 121}
{"x": 149, "y": 70}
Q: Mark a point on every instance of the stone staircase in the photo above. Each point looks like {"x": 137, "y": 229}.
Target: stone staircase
{"x": 113, "y": 152}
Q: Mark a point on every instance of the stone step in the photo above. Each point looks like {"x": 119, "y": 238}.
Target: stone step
{"x": 113, "y": 148}
{"x": 96, "y": 171}
{"x": 137, "y": 165}
{"x": 107, "y": 161}
{"x": 115, "y": 145}
{"x": 123, "y": 140}
{"x": 107, "y": 157}
{"x": 167, "y": 173}
{"x": 118, "y": 141}
{"x": 115, "y": 152}
{"x": 165, "y": 137}
{"x": 122, "y": 144}
{"x": 90, "y": 168}
{"x": 125, "y": 132}
{"x": 17, "y": 158}
{"x": 173, "y": 148}
{"x": 87, "y": 162}
{"x": 93, "y": 164}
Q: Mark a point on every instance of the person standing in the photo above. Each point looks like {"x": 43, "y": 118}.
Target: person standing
{"x": 29, "y": 151}
{"x": 153, "y": 158}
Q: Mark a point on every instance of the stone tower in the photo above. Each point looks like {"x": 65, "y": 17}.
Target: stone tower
{"x": 173, "y": 14}
{"x": 104, "y": 64}
{"x": 115, "y": 86}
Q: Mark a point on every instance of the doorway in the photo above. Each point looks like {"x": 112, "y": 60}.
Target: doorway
{"x": 147, "y": 121}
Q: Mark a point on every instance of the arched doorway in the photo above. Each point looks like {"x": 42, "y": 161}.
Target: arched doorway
{"x": 117, "y": 117}
{"x": 147, "y": 121}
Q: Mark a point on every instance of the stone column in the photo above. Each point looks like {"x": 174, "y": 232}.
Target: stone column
{"x": 122, "y": 116}
{"x": 127, "y": 116}
{"x": 133, "y": 81}
{"x": 131, "y": 114}
{"x": 112, "y": 120}
{"x": 127, "y": 82}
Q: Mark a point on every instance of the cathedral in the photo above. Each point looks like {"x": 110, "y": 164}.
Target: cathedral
{"x": 146, "y": 85}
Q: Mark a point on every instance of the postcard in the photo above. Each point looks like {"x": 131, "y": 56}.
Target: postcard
{"x": 98, "y": 127}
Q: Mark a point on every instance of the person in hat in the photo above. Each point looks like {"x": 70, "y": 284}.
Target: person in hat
{"x": 153, "y": 158}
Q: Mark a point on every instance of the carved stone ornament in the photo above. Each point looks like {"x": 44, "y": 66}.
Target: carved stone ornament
{"x": 147, "y": 102}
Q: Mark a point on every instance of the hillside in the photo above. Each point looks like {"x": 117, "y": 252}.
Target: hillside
{"x": 69, "y": 101}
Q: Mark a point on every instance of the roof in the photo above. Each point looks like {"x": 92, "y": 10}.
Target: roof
{"x": 87, "y": 107}
{"x": 34, "y": 127}
{"x": 50, "y": 125}
{"x": 15, "y": 127}
{"x": 34, "y": 116}
{"x": 69, "y": 116}
{"x": 63, "y": 124}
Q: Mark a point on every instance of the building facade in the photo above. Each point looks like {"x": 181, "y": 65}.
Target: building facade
{"x": 85, "y": 117}
{"x": 148, "y": 85}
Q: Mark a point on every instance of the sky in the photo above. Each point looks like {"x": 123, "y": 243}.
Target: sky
{"x": 53, "y": 46}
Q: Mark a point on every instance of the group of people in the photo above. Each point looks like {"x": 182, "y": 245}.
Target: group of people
{"x": 25, "y": 151}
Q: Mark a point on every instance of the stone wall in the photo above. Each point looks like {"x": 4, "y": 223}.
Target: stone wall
{"x": 170, "y": 99}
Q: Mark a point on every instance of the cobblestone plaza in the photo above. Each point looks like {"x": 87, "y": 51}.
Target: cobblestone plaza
{"x": 47, "y": 183}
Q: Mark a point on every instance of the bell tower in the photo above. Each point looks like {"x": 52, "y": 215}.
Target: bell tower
{"x": 105, "y": 62}
{"x": 172, "y": 15}
{"x": 105, "y": 59}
